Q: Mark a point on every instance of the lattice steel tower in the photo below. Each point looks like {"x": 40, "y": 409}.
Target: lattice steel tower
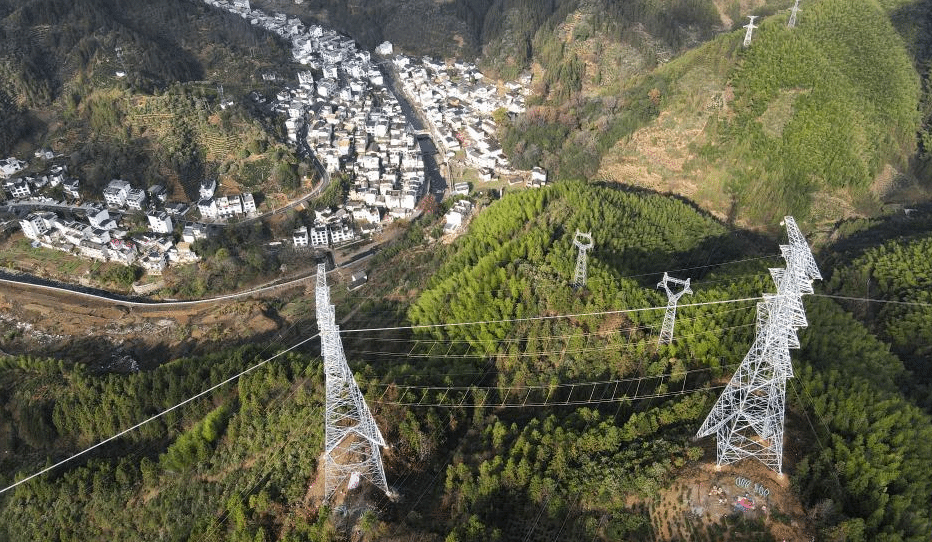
{"x": 583, "y": 242}
{"x": 669, "y": 318}
{"x": 750, "y": 26}
{"x": 748, "y": 417}
{"x": 352, "y": 439}
{"x": 793, "y": 11}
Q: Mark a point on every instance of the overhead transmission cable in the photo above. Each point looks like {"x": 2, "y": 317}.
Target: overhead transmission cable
{"x": 158, "y": 415}
{"x": 530, "y": 353}
{"x": 552, "y": 317}
{"x": 872, "y": 300}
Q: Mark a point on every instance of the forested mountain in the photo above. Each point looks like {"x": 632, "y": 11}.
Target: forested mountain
{"x": 818, "y": 121}
{"x": 241, "y": 465}
{"x": 130, "y": 90}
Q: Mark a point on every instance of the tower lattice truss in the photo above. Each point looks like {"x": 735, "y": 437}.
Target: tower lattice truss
{"x": 673, "y": 297}
{"x": 747, "y": 419}
{"x": 352, "y": 439}
{"x": 582, "y": 241}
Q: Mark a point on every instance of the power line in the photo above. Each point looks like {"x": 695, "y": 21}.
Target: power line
{"x": 532, "y": 353}
{"x": 554, "y": 317}
{"x": 539, "y": 338}
{"x": 616, "y": 279}
{"x": 564, "y": 385}
{"x": 870, "y": 300}
{"x": 159, "y": 415}
{"x": 601, "y": 401}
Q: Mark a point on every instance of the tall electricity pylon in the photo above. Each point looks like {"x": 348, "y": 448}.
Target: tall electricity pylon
{"x": 793, "y": 11}
{"x": 669, "y": 318}
{"x": 583, "y": 242}
{"x": 748, "y": 417}
{"x": 750, "y": 26}
{"x": 352, "y": 439}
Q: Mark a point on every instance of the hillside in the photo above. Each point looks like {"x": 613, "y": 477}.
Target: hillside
{"x": 242, "y": 463}
{"x": 819, "y": 121}
{"x": 130, "y": 89}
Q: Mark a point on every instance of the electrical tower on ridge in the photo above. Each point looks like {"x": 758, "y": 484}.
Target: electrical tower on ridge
{"x": 750, "y": 26}
{"x": 582, "y": 241}
{"x": 793, "y": 11}
{"x": 748, "y": 417}
{"x": 669, "y": 317}
{"x": 352, "y": 439}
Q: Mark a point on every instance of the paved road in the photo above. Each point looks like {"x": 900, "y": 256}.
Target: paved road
{"x": 29, "y": 281}
{"x": 435, "y": 179}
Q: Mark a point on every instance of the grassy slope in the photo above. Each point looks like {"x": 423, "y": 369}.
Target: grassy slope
{"x": 801, "y": 122}
{"x": 161, "y": 122}
{"x": 242, "y": 463}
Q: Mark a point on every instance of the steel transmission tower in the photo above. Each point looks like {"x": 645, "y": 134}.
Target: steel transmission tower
{"x": 352, "y": 439}
{"x": 750, "y": 26}
{"x": 583, "y": 242}
{"x": 748, "y": 417}
{"x": 793, "y": 11}
{"x": 669, "y": 318}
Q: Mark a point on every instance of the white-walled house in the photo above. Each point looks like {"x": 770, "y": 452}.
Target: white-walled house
{"x": 207, "y": 208}
{"x": 320, "y": 236}
{"x": 300, "y": 237}
{"x": 116, "y": 192}
{"x": 135, "y": 199}
{"x": 37, "y": 224}
{"x": 160, "y": 222}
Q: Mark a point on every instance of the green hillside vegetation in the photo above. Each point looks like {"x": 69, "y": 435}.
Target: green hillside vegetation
{"x": 899, "y": 270}
{"x": 240, "y": 464}
{"x": 800, "y": 123}
{"x": 176, "y": 138}
{"x": 58, "y": 80}
{"x": 226, "y": 466}
{"x": 852, "y": 96}
{"x": 521, "y": 256}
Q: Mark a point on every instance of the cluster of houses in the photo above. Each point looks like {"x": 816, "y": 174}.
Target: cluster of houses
{"x": 94, "y": 234}
{"x": 223, "y": 207}
{"x": 457, "y": 216}
{"x": 29, "y": 186}
{"x": 93, "y": 230}
{"x": 331, "y": 228}
{"x": 342, "y": 113}
{"x": 458, "y": 103}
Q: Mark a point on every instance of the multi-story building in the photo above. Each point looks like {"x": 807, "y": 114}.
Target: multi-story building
{"x": 249, "y": 203}
{"x": 207, "y": 188}
{"x": 135, "y": 199}
{"x": 300, "y": 237}
{"x": 228, "y": 206}
{"x": 35, "y": 225}
{"x": 320, "y": 236}
{"x": 116, "y": 192}
{"x": 160, "y": 222}
{"x": 17, "y": 188}
{"x": 207, "y": 208}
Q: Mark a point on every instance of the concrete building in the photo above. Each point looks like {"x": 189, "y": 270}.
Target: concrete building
{"x": 35, "y": 225}
{"x": 116, "y": 192}
{"x": 300, "y": 237}
{"x": 320, "y": 236}
{"x": 160, "y": 222}
{"x": 135, "y": 199}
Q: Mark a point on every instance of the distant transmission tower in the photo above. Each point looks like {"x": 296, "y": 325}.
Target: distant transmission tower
{"x": 748, "y": 417}
{"x": 793, "y": 11}
{"x": 666, "y": 332}
{"x": 352, "y": 439}
{"x": 750, "y": 26}
{"x": 583, "y": 242}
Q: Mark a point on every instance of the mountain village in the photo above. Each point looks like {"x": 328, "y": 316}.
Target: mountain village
{"x": 340, "y": 114}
